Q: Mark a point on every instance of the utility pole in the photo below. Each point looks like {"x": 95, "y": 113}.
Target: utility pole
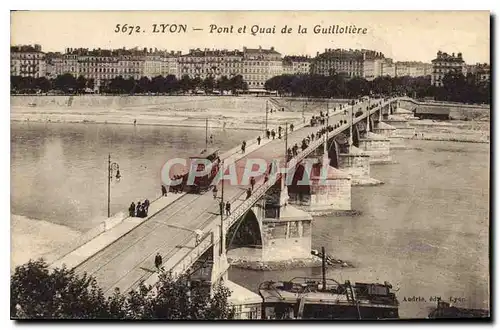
{"x": 303, "y": 111}
{"x": 368, "y": 116}
{"x": 206, "y": 134}
{"x": 286, "y": 144}
{"x": 350, "y": 124}
{"x": 109, "y": 184}
{"x": 111, "y": 167}
{"x": 266, "y": 114}
{"x": 325, "y": 148}
{"x": 221, "y": 250}
{"x": 323, "y": 267}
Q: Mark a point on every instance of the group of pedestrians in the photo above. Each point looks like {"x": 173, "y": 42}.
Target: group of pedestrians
{"x": 226, "y": 206}
{"x": 140, "y": 210}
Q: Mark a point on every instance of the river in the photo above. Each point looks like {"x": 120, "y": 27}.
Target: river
{"x": 425, "y": 230}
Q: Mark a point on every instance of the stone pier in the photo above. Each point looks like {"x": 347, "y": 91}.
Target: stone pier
{"x": 356, "y": 163}
{"x": 390, "y": 132}
{"x": 401, "y": 124}
{"x": 287, "y": 237}
{"x": 326, "y": 192}
{"x": 377, "y": 147}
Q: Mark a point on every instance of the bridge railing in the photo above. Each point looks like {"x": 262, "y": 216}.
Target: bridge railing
{"x": 183, "y": 265}
{"x": 211, "y": 238}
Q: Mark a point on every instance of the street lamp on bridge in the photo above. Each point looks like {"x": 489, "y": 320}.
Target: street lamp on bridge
{"x": 112, "y": 167}
{"x": 222, "y": 241}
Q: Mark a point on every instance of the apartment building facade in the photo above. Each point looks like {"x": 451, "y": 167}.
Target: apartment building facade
{"x": 259, "y": 65}
{"x": 445, "y": 63}
{"x": 351, "y": 63}
{"x": 210, "y": 63}
{"x": 296, "y": 65}
{"x": 27, "y": 61}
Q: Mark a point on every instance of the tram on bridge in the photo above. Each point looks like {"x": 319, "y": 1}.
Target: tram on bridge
{"x": 197, "y": 163}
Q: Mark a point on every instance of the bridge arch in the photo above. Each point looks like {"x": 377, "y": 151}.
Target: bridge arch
{"x": 355, "y": 136}
{"x": 246, "y": 232}
{"x": 333, "y": 153}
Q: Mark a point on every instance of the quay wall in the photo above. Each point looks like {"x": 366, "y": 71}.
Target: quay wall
{"x": 458, "y": 111}
{"x": 92, "y": 101}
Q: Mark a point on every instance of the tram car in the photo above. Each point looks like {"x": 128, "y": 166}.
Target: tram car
{"x": 200, "y": 183}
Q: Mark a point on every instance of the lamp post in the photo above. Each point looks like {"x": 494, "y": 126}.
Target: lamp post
{"x": 267, "y": 110}
{"x": 111, "y": 168}
{"x": 303, "y": 111}
{"x": 368, "y": 116}
{"x": 350, "y": 123}
{"x": 221, "y": 250}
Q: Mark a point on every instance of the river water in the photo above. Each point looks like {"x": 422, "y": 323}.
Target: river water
{"x": 59, "y": 171}
{"x": 425, "y": 230}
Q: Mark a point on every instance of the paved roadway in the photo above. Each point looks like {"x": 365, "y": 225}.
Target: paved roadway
{"x": 130, "y": 259}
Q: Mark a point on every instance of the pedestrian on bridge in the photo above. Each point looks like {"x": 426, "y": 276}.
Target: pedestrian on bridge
{"x": 131, "y": 210}
{"x": 243, "y": 146}
{"x": 215, "y": 191}
{"x": 158, "y": 260}
{"x": 228, "y": 208}
{"x": 221, "y": 206}
{"x": 291, "y": 127}
{"x": 163, "y": 191}
{"x": 273, "y": 134}
{"x": 138, "y": 206}
{"x": 252, "y": 182}
{"x": 258, "y": 140}
{"x": 249, "y": 192}
{"x": 146, "y": 206}
{"x": 268, "y": 134}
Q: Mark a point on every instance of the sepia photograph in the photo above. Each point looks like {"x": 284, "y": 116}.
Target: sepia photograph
{"x": 250, "y": 165}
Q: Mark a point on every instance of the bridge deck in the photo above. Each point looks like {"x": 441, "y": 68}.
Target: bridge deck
{"x": 130, "y": 259}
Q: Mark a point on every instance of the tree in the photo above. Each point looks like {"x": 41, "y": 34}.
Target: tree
{"x": 144, "y": 85}
{"x": 66, "y": 83}
{"x": 237, "y": 83}
{"x": 223, "y": 84}
{"x": 185, "y": 83}
{"x": 117, "y": 85}
{"x": 37, "y": 293}
{"x": 43, "y": 84}
{"x": 81, "y": 84}
{"x": 40, "y": 293}
{"x": 196, "y": 82}
{"x": 209, "y": 84}
{"x": 171, "y": 84}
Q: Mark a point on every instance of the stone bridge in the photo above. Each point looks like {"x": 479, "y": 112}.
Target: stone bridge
{"x": 193, "y": 237}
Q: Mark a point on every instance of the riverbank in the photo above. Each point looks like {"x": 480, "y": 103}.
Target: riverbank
{"x": 249, "y": 258}
{"x": 31, "y": 239}
{"x": 452, "y": 131}
{"x": 241, "y": 112}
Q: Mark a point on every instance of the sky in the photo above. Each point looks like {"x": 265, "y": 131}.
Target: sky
{"x": 400, "y": 35}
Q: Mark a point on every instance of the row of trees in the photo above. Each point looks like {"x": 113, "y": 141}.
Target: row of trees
{"x": 457, "y": 87}
{"x": 67, "y": 83}
{"x": 38, "y": 293}
{"x": 170, "y": 84}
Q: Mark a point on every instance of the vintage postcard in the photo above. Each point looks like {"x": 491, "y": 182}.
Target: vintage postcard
{"x": 250, "y": 165}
